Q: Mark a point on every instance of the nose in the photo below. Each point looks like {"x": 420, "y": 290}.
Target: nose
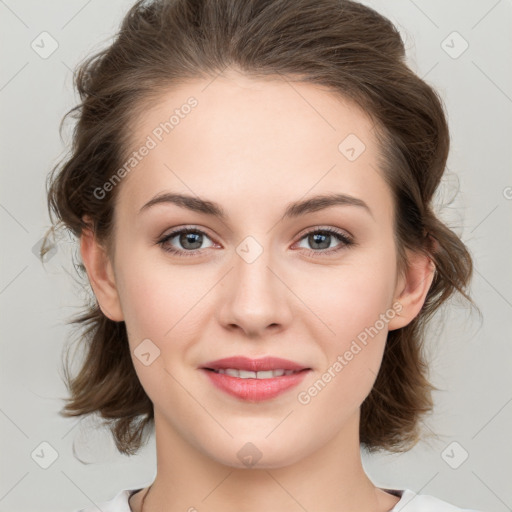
{"x": 255, "y": 297}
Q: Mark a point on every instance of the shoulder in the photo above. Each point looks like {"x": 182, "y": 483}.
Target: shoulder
{"x": 409, "y": 502}
{"x": 119, "y": 503}
{"x": 412, "y": 502}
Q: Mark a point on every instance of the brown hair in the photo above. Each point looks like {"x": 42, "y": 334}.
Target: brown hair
{"x": 340, "y": 44}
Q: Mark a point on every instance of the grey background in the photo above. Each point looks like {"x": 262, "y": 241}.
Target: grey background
{"x": 471, "y": 356}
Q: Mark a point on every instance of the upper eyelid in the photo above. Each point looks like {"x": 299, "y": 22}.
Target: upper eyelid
{"x": 177, "y": 231}
{"x": 305, "y": 232}
{"x": 332, "y": 229}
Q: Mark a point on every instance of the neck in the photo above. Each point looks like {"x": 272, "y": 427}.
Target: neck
{"x": 331, "y": 478}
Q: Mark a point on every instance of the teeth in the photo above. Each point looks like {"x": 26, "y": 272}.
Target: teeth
{"x": 244, "y": 374}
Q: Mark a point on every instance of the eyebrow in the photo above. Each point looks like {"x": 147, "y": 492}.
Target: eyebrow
{"x": 293, "y": 210}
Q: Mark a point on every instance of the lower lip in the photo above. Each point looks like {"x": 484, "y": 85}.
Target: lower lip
{"x": 255, "y": 390}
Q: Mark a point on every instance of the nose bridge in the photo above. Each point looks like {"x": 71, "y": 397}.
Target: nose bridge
{"x": 253, "y": 279}
{"x": 256, "y": 298}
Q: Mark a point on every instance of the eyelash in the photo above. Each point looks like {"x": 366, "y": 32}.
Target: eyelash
{"x": 342, "y": 237}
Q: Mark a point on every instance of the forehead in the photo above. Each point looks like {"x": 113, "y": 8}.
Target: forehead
{"x": 241, "y": 112}
{"x": 236, "y": 135}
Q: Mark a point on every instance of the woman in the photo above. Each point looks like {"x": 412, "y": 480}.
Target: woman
{"x": 251, "y": 183}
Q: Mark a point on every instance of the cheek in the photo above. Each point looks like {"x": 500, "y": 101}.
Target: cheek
{"x": 352, "y": 296}
{"x": 355, "y": 303}
{"x": 352, "y": 354}
{"x": 157, "y": 305}
{"x": 154, "y": 295}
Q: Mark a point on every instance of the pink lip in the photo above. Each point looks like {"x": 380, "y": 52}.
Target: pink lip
{"x": 255, "y": 390}
{"x": 254, "y": 365}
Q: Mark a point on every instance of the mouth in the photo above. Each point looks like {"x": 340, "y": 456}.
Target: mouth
{"x": 254, "y": 379}
{"x": 245, "y": 374}
{"x": 263, "y": 364}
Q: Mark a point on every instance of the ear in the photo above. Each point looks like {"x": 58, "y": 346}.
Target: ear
{"x": 101, "y": 275}
{"x": 412, "y": 288}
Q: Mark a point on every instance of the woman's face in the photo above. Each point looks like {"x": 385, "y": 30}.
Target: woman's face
{"x": 256, "y": 282}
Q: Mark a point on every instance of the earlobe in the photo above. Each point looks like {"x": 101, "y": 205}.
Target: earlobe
{"x": 101, "y": 275}
{"x": 412, "y": 288}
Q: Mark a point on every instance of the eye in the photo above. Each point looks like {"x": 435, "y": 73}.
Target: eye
{"x": 190, "y": 239}
{"x": 320, "y": 239}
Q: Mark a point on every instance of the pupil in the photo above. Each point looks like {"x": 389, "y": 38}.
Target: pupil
{"x": 322, "y": 240}
{"x": 192, "y": 238}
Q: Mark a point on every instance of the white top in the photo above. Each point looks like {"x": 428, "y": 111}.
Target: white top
{"x": 409, "y": 502}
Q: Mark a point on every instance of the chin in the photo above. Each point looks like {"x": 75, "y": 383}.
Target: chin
{"x": 260, "y": 453}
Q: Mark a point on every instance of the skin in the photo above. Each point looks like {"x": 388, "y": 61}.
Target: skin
{"x": 253, "y": 146}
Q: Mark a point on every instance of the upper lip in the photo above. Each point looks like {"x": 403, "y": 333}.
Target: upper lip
{"x": 254, "y": 365}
